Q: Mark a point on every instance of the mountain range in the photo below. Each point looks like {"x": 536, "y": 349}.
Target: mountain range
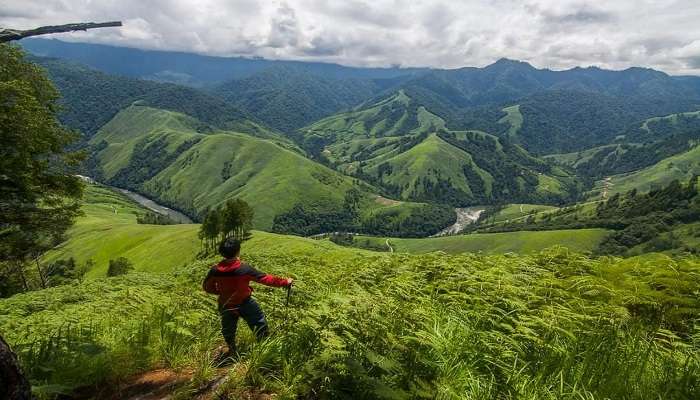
{"x": 294, "y": 138}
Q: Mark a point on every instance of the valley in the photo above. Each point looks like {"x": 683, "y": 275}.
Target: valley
{"x": 497, "y": 232}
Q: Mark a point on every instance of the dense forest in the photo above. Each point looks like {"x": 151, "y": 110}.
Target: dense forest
{"x": 636, "y": 218}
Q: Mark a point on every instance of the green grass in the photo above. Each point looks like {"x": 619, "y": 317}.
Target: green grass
{"x": 673, "y": 118}
{"x": 580, "y": 157}
{"x": 513, "y": 211}
{"x": 431, "y": 159}
{"x": 221, "y": 165}
{"x": 552, "y": 325}
{"x": 581, "y": 240}
{"x": 102, "y": 234}
{"x": 681, "y": 166}
{"x": 514, "y": 118}
{"x": 373, "y": 136}
{"x": 548, "y": 325}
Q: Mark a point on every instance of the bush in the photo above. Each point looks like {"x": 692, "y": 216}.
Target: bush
{"x": 120, "y": 266}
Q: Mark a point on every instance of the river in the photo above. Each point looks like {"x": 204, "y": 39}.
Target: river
{"x": 465, "y": 216}
{"x": 155, "y": 207}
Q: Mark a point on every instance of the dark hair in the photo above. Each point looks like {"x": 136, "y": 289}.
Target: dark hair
{"x": 230, "y": 248}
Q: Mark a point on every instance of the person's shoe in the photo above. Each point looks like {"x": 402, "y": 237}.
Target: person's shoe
{"x": 225, "y": 358}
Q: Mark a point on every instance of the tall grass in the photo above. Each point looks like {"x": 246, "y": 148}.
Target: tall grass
{"x": 553, "y": 325}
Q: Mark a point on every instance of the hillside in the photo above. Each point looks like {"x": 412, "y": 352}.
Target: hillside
{"x": 640, "y": 146}
{"x": 682, "y": 167}
{"x": 161, "y": 154}
{"x": 459, "y": 325}
{"x": 579, "y": 240}
{"x": 402, "y": 147}
{"x": 288, "y": 98}
{"x": 557, "y": 111}
{"x": 90, "y": 98}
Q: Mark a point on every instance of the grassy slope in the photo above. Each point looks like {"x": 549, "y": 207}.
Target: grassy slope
{"x": 682, "y": 167}
{"x": 369, "y": 135}
{"x": 271, "y": 178}
{"x": 102, "y": 234}
{"x": 576, "y": 158}
{"x": 513, "y": 211}
{"x": 567, "y": 316}
{"x": 514, "y": 118}
{"x": 582, "y": 240}
{"x": 430, "y": 159}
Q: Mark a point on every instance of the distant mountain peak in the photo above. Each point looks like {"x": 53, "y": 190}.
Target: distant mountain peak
{"x": 508, "y": 62}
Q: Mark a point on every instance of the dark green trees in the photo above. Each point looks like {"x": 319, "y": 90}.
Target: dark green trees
{"x": 233, "y": 219}
{"x": 120, "y": 266}
{"x": 38, "y": 192}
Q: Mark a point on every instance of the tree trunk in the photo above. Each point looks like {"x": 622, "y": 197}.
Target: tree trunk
{"x": 13, "y": 384}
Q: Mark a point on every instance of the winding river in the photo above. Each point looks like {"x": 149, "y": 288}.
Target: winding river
{"x": 155, "y": 207}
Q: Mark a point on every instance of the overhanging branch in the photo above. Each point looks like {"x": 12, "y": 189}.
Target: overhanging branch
{"x": 8, "y": 35}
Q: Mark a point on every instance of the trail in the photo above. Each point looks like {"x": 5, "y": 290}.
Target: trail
{"x": 391, "y": 249}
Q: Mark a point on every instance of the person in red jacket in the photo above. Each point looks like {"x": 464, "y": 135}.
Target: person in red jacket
{"x": 230, "y": 279}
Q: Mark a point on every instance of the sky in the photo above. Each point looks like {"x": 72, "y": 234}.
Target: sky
{"x": 555, "y": 34}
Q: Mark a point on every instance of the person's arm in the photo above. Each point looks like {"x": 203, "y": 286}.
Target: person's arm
{"x": 267, "y": 279}
{"x": 210, "y": 285}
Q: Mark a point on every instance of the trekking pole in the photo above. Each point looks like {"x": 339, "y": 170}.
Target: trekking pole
{"x": 289, "y": 295}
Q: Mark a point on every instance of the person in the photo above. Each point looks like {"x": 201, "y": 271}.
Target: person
{"x": 230, "y": 279}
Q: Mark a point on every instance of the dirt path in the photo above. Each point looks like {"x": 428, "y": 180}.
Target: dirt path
{"x": 391, "y": 249}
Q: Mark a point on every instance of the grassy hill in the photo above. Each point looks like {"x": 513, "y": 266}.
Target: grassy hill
{"x": 160, "y": 153}
{"x": 580, "y": 240}
{"x": 465, "y": 326}
{"x": 403, "y": 147}
{"x": 681, "y": 166}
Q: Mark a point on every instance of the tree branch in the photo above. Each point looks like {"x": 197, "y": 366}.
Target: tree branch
{"x": 7, "y": 35}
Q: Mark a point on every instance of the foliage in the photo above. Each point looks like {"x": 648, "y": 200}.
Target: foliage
{"x": 38, "y": 193}
{"x": 119, "y": 266}
{"x": 154, "y": 218}
{"x": 91, "y": 98}
{"x": 553, "y": 325}
{"x": 233, "y": 219}
{"x": 404, "y": 220}
{"x": 399, "y": 145}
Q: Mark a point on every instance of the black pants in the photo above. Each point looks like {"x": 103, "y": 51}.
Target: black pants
{"x": 252, "y": 314}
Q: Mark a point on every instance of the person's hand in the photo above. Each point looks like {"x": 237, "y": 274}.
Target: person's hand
{"x": 290, "y": 281}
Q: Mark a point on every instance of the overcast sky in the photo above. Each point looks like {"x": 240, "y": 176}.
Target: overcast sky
{"x": 556, "y": 34}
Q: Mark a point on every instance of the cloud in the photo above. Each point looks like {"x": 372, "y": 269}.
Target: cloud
{"x": 556, "y": 34}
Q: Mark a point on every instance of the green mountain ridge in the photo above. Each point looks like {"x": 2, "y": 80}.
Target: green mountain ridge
{"x": 403, "y": 147}
{"x": 160, "y": 154}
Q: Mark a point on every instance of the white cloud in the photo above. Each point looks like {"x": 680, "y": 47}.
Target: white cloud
{"x": 556, "y": 34}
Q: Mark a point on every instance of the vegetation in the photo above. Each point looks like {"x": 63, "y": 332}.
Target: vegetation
{"x": 154, "y": 218}
{"x": 637, "y": 218}
{"x": 402, "y": 147}
{"x": 120, "y": 266}
{"x": 39, "y": 198}
{"x": 288, "y": 98}
{"x": 159, "y": 153}
{"x": 90, "y": 99}
{"x": 234, "y": 219}
{"x": 680, "y": 167}
{"x": 521, "y": 242}
{"x": 550, "y": 325}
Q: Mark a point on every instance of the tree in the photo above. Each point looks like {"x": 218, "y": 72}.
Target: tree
{"x": 233, "y": 219}
{"x": 39, "y": 194}
{"x": 13, "y": 384}
{"x": 236, "y": 219}
{"x": 120, "y": 266}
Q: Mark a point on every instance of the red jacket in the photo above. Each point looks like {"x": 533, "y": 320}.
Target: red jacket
{"x": 230, "y": 280}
